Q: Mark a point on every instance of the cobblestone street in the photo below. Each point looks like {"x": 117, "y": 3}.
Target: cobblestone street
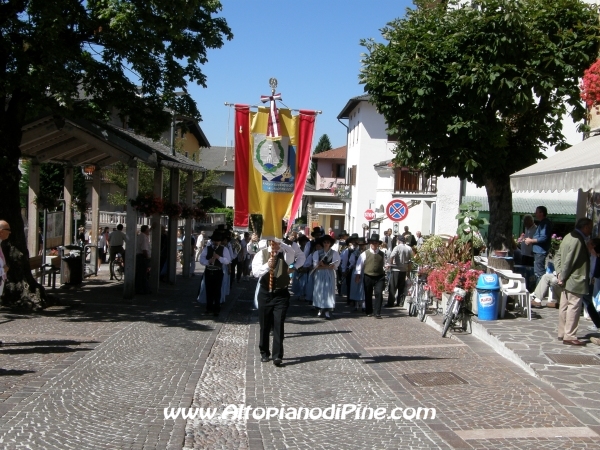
{"x": 98, "y": 372}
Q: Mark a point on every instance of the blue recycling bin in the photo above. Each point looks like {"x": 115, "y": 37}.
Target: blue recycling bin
{"x": 488, "y": 296}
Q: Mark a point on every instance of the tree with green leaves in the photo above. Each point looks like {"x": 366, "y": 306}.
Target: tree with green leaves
{"x": 478, "y": 89}
{"x": 86, "y": 59}
{"x": 323, "y": 145}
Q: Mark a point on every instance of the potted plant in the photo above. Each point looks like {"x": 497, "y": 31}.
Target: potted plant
{"x": 172, "y": 209}
{"x": 45, "y": 200}
{"x": 590, "y": 86}
{"x": 469, "y": 225}
{"x": 147, "y": 204}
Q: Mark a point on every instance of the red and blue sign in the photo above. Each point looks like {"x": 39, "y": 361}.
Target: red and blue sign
{"x": 397, "y": 210}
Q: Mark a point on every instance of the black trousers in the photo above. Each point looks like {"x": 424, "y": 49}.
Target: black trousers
{"x": 114, "y": 249}
{"x": 233, "y": 265}
{"x": 374, "y": 284}
{"x": 348, "y": 284}
{"x": 213, "y": 279}
{"x": 142, "y": 283}
{"x": 272, "y": 309}
{"x": 240, "y": 269}
{"x": 396, "y": 287}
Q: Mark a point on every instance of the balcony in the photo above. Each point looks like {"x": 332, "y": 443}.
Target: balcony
{"x": 342, "y": 191}
{"x": 414, "y": 182}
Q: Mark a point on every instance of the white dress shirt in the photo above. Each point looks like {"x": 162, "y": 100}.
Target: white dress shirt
{"x": 260, "y": 267}
{"x": 225, "y": 259}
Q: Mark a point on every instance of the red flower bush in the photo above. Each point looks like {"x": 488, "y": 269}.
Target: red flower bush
{"x": 147, "y": 204}
{"x": 590, "y": 85}
{"x": 449, "y": 276}
{"x": 172, "y": 209}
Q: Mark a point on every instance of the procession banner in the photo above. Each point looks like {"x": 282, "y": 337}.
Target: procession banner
{"x": 273, "y": 168}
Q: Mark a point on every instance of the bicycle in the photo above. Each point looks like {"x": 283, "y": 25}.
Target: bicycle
{"x": 455, "y": 311}
{"x": 418, "y": 293}
{"x": 117, "y": 267}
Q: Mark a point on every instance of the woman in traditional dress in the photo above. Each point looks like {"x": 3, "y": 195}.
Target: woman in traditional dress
{"x": 325, "y": 263}
{"x": 357, "y": 290}
{"x": 299, "y": 282}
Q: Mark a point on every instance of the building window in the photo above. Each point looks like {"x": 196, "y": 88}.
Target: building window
{"x": 338, "y": 171}
{"x": 408, "y": 180}
{"x": 352, "y": 176}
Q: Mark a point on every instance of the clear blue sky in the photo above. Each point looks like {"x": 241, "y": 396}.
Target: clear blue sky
{"x": 311, "y": 47}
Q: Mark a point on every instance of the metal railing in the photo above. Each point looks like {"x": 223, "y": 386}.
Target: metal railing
{"x": 112, "y": 219}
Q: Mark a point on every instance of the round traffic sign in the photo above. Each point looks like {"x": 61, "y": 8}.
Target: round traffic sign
{"x": 369, "y": 214}
{"x": 397, "y": 210}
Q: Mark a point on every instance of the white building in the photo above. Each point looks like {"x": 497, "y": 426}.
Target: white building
{"x": 373, "y": 182}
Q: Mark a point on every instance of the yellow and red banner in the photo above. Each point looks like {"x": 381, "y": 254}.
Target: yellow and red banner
{"x": 270, "y": 172}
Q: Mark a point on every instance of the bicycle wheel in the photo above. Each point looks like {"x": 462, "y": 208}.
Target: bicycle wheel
{"x": 422, "y": 305}
{"x": 449, "y": 321}
{"x": 447, "y": 313}
{"x": 119, "y": 271}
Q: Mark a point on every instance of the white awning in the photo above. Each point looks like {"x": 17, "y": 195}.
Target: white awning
{"x": 576, "y": 168}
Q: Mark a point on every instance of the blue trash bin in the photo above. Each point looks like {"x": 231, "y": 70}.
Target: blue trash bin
{"x": 488, "y": 296}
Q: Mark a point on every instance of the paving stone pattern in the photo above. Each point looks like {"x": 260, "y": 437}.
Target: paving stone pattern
{"x": 97, "y": 373}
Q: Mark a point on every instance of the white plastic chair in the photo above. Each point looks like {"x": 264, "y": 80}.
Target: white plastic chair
{"x": 515, "y": 287}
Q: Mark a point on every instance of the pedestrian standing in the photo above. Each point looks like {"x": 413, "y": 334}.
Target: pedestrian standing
{"x": 116, "y": 239}
{"x": 541, "y": 241}
{"x": 142, "y": 261}
{"x": 398, "y": 261}
{"x": 214, "y": 257}
{"x": 325, "y": 263}
{"x": 270, "y": 266}
{"x": 357, "y": 288}
{"x": 372, "y": 263}
{"x": 572, "y": 263}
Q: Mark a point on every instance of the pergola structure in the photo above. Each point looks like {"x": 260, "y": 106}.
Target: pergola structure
{"x": 77, "y": 142}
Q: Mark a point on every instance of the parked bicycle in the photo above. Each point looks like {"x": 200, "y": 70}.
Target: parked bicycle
{"x": 455, "y": 310}
{"x": 418, "y": 294}
{"x": 117, "y": 267}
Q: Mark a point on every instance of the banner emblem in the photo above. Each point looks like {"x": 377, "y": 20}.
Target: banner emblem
{"x": 275, "y": 160}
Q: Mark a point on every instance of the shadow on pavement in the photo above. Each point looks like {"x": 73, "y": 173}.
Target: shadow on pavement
{"x": 42, "y": 350}
{"x": 14, "y": 372}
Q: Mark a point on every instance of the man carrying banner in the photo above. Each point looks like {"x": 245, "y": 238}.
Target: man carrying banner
{"x": 270, "y": 266}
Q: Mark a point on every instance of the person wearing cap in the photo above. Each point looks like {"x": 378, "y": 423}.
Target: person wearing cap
{"x": 270, "y": 266}
{"x": 214, "y": 257}
{"x": 372, "y": 263}
{"x": 339, "y": 246}
{"x": 398, "y": 261}
{"x": 357, "y": 287}
{"x": 325, "y": 263}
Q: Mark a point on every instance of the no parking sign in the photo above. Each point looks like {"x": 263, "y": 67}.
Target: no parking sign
{"x": 397, "y": 210}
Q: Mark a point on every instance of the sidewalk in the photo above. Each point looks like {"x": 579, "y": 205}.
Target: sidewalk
{"x": 533, "y": 346}
{"x": 98, "y": 372}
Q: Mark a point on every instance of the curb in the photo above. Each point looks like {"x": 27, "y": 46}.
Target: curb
{"x": 481, "y": 333}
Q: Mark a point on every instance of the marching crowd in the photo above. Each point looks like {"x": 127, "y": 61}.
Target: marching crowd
{"x": 315, "y": 266}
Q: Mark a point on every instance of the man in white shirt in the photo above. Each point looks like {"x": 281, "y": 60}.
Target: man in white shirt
{"x": 398, "y": 262}
{"x": 116, "y": 239}
{"x": 270, "y": 266}
{"x": 214, "y": 257}
{"x": 372, "y": 263}
{"x": 142, "y": 261}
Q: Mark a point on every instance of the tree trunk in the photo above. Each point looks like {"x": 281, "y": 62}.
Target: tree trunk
{"x": 21, "y": 289}
{"x": 500, "y": 206}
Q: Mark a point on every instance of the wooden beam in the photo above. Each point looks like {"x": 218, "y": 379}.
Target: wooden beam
{"x": 188, "y": 256}
{"x": 131, "y": 223}
{"x": 68, "y": 196}
{"x": 85, "y": 156}
{"x": 41, "y": 133}
{"x": 32, "y": 214}
{"x": 48, "y": 142}
{"x": 61, "y": 151}
{"x": 173, "y": 228}
{"x": 156, "y": 234}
